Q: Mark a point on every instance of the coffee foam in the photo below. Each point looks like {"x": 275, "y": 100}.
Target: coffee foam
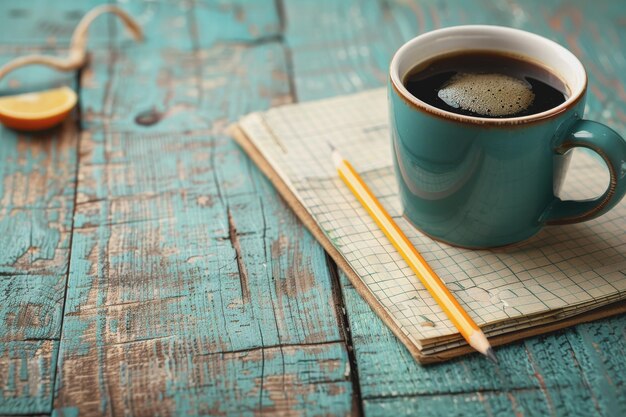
{"x": 487, "y": 94}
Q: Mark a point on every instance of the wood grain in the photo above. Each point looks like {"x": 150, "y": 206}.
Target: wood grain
{"x": 37, "y": 181}
{"x": 192, "y": 289}
{"x": 45, "y": 24}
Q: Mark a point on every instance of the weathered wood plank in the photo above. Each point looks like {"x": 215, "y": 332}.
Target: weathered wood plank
{"x": 41, "y": 23}
{"x": 191, "y": 283}
{"x": 248, "y": 21}
{"x": 152, "y": 83}
{"x": 599, "y": 350}
{"x": 177, "y": 97}
{"x": 31, "y": 309}
{"x": 26, "y": 374}
{"x": 37, "y": 185}
{"x": 36, "y": 191}
{"x": 560, "y": 374}
{"x": 519, "y": 402}
{"x": 37, "y": 182}
{"x": 172, "y": 376}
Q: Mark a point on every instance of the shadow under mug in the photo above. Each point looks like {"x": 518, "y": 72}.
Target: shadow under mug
{"x": 483, "y": 182}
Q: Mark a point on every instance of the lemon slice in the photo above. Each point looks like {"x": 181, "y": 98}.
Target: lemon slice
{"x": 37, "y": 111}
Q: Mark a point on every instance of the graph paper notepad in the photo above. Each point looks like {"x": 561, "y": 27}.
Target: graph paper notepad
{"x": 563, "y": 276}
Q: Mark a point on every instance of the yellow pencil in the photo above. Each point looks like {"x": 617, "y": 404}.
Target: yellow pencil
{"x": 435, "y": 286}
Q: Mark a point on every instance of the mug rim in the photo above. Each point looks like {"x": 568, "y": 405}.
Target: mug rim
{"x": 576, "y": 92}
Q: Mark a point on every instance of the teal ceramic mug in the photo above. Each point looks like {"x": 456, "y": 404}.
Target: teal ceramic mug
{"x": 484, "y": 182}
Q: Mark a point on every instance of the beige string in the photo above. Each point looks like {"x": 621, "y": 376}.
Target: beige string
{"x": 77, "y": 57}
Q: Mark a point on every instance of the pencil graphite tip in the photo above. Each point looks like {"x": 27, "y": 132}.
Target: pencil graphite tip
{"x": 479, "y": 341}
{"x": 491, "y": 355}
{"x": 332, "y": 148}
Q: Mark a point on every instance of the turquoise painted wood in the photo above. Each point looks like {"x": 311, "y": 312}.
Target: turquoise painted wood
{"x": 37, "y": 183}
{"x": 150, "y": 269}
{"x": 37, "y": 187}
{"x": 192, "y": 288}
{"x": 47, "y": 25}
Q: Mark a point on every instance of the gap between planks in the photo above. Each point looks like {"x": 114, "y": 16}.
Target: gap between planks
{"x": 78, "y": 132}
{"x": 339, "y": 301}
{"x": 241, "y": 267}
{"x": 344, "y": 328}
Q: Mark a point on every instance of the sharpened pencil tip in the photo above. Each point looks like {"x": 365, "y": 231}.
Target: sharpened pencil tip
{"x": 332, "y": 148}
{"x": 491, "y": 355}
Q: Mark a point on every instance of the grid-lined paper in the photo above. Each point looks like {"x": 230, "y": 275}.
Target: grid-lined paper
{"x": 563, "y": 271}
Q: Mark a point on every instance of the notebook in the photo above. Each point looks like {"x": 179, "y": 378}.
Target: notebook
{"x": 563, "y": 276}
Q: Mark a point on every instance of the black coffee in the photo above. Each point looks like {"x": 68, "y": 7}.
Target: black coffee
{"x": 486, "y": 84}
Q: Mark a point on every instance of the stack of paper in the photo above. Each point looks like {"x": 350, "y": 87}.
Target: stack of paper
{"x": 560, "y": 277}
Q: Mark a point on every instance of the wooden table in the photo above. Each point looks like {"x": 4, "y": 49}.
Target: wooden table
{"x": 148, "y": 268}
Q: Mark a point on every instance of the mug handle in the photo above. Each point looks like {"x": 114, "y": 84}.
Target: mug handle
{"x": 612, "y": 149}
